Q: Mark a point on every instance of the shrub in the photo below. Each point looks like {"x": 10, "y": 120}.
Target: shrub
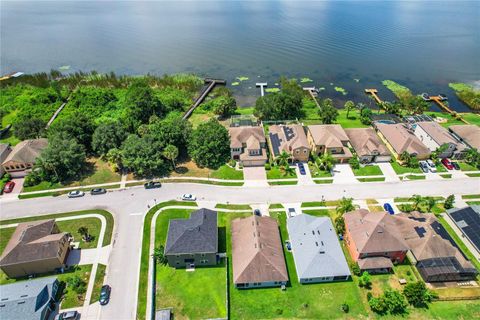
{"x": 268, "y": 166}
{"x": 354, "y": 163}
{"x": 345, "y": 307}
{"x": 232, "y": 163}
{"x": 355, "y": 269}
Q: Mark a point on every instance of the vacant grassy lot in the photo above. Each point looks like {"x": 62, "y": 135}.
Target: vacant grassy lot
{"x": 92, "y": 224}
{"x": 372, "y": 170}
{"x": 190, "y": 169}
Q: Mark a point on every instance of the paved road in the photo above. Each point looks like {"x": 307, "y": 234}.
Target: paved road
{"x": 129, "y": 207}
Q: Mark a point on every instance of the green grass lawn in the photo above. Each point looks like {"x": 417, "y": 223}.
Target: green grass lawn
{"x": 415, "y": 177}
{"x": 245, "y": 110}
{"x": 5, "y": 235}
{"x": 466, "y": 167}
{"x": 472, "y": 203}
{"x": 282, "y": 183}
{"x": 441, "y": 168}
{"x": 372, "y": 170}
{"x": 371, "y": 179}
{"x": 473, "y": 175}
{"x": 446, "y": 175}
{"x": 314, "y": 204}
{"x": 310, "y": 117}
{"x": 277, "y": 173}
{"x": 323, "y": 181}
{"x": 401, "y": 169}
{"x": 92, "y": 224}
{"x": 227, "y": 173}
{"x": 317, "y": 173}
{"x": 276, "y": 206}
{"x": 70, "y": 298}
{"x": 97, "y": 286}
{"x": 471, "y": 196}
{"x": 233, "y": 206}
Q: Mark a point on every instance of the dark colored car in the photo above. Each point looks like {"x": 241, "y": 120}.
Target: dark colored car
{"x": 455, "y": 165}
{"x": 69, "y": 315}
{"x": 105, "y": 294}
{"x": 423, "y": 166}
{"x": 97, "y": 191}
{"x": 152, "y": 185}
{"x": 388, "y": 208}
{"x": 288, "y": 245}
{"x": 447, "y": 164}
{"x": 257, "y": 212}
{"x": 9, "y": 187}
{"x": 301, "y": 168}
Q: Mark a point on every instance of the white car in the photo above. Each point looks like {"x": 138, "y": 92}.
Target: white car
{"x": 189, "y": 197}
{"x": 76, "y": 194}
{"x": 431, "y": 166}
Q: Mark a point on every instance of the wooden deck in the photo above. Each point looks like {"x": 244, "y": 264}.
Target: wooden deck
{"x": 439, "y": 101}
{"x": 374, "y": 93}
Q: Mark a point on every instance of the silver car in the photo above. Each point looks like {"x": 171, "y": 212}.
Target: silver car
{"x": 189, "y": 197}
{"x": 76, "y": 194}
{"x": 431, "y": 166}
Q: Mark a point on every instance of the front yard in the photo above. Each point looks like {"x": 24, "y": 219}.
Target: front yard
{"x": 277, "y": 173}
{"x": 190, "y": 169}
{"x": 402, "y": 170}
{"x": 372, "y": 170}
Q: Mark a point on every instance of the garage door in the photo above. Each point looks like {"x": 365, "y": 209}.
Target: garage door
{"x": 382, "y": 158}
{"x": 253, "y": 163}
{"x": 18, "y": 174}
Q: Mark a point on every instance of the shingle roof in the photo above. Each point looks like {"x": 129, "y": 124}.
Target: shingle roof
{"x": 25, "y": 299}
{"x": 366, "y": 142}
{"x": 257, "y": 253}
{"x": 241, "y": 135}
{"x": 287, "y": 138}
{"x": 27, "y": 151}
{"x": 375, "y": 263}
{"x": 198, "y": 234}
{"x": 401, "y": 139}
{"x": 468, "y": 133}
{"x": 438, "y": 133}
{"x": 315, "y": 247}
{"x": 329, "y": 135}
{"x": 32, "y": 241}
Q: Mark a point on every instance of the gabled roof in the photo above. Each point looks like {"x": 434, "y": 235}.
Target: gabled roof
{"x": 27, "y": 151}
{"x": 287, "y": 138}
{"x": 257, "y": 253}
{"x": 248, "y": 134}
{"x": 369, "y": 263}
{"x": 198, "y": 234}
{"x": 469, "y": 133}
{"x": 374, "y": 232}
{"x": 26, "y": 299}
{"x": 401, "y": 139}
{"x": 316, "y": 250}
{"x": 32, "y": 241}
{"x": 328, "y": 135}
{"x": 438, "y": 133}
{"x": 366, "y": 142}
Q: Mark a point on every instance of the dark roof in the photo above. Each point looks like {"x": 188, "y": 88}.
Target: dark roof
{"x": 32, "y": 241}
{"x": 468, "y": 220}
{"x": 198, "y": 234}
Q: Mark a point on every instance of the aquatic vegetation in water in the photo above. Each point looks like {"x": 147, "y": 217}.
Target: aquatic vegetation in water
{"x": 272, "y": 90}
{"x": 304, "y": 80}
{"x": 276, "y": 83}
{"x": 64, "y": 68}
{"x": 331, "y": 83}
{"x": 236, "y": 83}
{"x": 401, "y": 92}
{"x": 321, "y": 89}
{"x": 467, "y": 93}
{"x": 356, "y": 80}
{"x": 242, "y": 78}
{"x": 341, "y": 90}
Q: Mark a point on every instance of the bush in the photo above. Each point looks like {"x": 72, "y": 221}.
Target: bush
{"x": 354, "y": 163}
{"x": 355, "y": 269}
{"x": 268, "y": 166}
{"x": 449, "y": 202}
{"x": 232, "y": 163}
{"x": 345, "y": 308}
{"x": 32, "y": 179}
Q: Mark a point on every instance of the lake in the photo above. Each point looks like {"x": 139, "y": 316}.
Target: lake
{"x": 349, "y": 44}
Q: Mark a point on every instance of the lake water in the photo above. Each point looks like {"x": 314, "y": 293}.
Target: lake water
{"x": 354, "y": 45}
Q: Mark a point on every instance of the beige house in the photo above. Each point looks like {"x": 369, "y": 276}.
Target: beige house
{"x": 291, "y": 139}
{"x": 367, "y": 145}
{"x": 469, "y": 134}
{"x": 248, "y": 145}
{"x": 23, "y": 156}
{"x": 34, "y": 248}
{"x": 331, "y": 138}
{"x": 400, "y": 139}
{"x": 434, "y": 135}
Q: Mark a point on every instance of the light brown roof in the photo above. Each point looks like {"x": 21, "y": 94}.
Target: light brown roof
{"x": 401, "y": 139}
{"x": 257, "y": 253}
{"x": 438, "y": 133}
{"x": 241, "y": 135}
{"x": 32, "y": 241}
{"x": 27, "y": 151}
{"x": 366, "y": 142}
{"x": 328, "y": 135}
{"x": 375, "y": 263}
{"x": 468, "y": 133}
{"x": 374, "y": 232}
{"x": 290, "y": 137}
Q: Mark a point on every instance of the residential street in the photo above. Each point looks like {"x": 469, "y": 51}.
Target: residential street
{"x": 130, "y": 205}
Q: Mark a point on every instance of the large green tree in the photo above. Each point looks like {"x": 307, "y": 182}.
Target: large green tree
{"x": 29, "y": 128}
{"x": 286, "y": 104}
{"x": 108, "y": 136}
{"x": 144, "y": 156}
{"x": 171, "y": 130}
{"x": 328, "y": 113}
{"x": 77, "y": 126}
{"x": 210, "y": 145}
{"x": 224, "y": 106}
{"x": 141, "y": 103}
{"x": 417, "y": 294}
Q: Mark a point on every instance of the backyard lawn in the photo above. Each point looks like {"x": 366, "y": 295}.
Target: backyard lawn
{"x": 310, "y": 116}
{"x": 372, "y": 170}
{"x": 97, "y": 286}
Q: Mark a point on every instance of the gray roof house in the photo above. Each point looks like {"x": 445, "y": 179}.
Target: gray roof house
{"x": 29, "y": 300}
{"x": 316, "y": 251}
{"x": 194, "y": 241}
{"x": 4, "y": 152}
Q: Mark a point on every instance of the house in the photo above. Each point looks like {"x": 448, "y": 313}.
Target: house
{"x": 35, "y": 247}
{"x": 468, "y": 221}
{"x": 23, "y": 156}
{"x": 367, "y": 145}
{"x": 434, "y": 136}
{"x": 5, "y": 150}
{"x": 33, "y": 299}
{"x": 193, "y": 242}
{"x": 399, "y": 139}
{"x": 291, "y": 139}
{"x": 469, "y": 134}
{"x": 248, "y": 145}
{"x": 316, "y": 251}
{"x": 374, "y": 235}
{"x": 329, "y": 138}
{"x": 257, "y": 253}
{"x": 432, "y": 250}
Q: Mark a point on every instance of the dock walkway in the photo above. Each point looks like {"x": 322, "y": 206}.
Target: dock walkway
{"x": 313, "y": 93}
{"x": 206, "y": 90}
{"x": 374, "y": 93}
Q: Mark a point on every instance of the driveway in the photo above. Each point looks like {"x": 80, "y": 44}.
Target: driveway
{"x": 88, "y": 256}
{"x": 388, "y": 172}
{"x": 255, "y": 177}
{"x": 305, "y": 179}
{"x": 16, "y": 190}
{"x": 342, "y": 173}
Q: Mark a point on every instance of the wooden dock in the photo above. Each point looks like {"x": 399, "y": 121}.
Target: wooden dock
{"x": 261, "y": 85}
{"x": 205, "y": 91}
{"x": 314, "y": 94}
{"x": 374, "y": 93}
{"x": 439, "y": 101}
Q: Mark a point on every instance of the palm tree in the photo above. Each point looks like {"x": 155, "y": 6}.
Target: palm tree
{"x": 430, "y": 202}
{"x": 288, "y": 171}
{"x": 405, "y": 157}
{"x": 349, "y": 105}
{"x": 345, "y": 205}
{"x": 326, "y": 161}
{"x": 282, "y": 158}
{"x": 159, "y": 255}
{"x": 417, "y": 201}
{"x": 171, "y": 153}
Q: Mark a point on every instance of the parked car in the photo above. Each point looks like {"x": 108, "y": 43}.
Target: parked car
{"x": 291, "y": 212}
{"x": 257, "y": 212}
{"x": 9, "y": 187}
{"x": 447, "y": 164}
{"x": 388, "y": 208}
{"x": 105, "y": 294}
{"x": 301, "y": 168}
{"x": 189, "y": 197}
{"x": 152, "y": 185}
{"x": 455, "y": 165}
{"x": 76, "y": 194}
{"x": 288, "y": 245}
{"x": 97, "y": 191}
{"x": 431, "y": 165}
{"x": 423, "y": 166}
{"x": 69, "y": 315}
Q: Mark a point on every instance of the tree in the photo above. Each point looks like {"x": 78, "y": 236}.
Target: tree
{"x": 395, "y": 301}
{"x": 339, "y": 225}
{"x": 378, "y": 305}
{"x": 472, "y": 157}
{"x": 159, "y": 255}
{"x": 287, "y": 170}
{"x": 354, "y": 163}
{"x": 417, "y": 201}
{"x": 430, "y": 202}
{"x": 141, "y": 103}
{"x": 326, "y": 161}
{"x": 171, "y": 153}
{"x": 224, "y": 106}
{"x": 365, "y": 280}
{"x": 449, "y": 202}
{"x": 417, "y": 294}
{"x": 210, "y": 145}
{"x": 282, "y": 158}
{"x": 171, "y": 130}
{"x": 392, "y": 107}
{"x": 349, "y": 106}
{"x": 365, "y": 116}
{"x": 328, "y": 113}
{"x": 114, "y": 157}
{"x": 415, "y": 105}
{"x": 345, "y": 308}
{"x": 345, "y": 205}
{"x": 355, "y": 268}
{"x": 29, "y": 128}
{"x": 83, "y": 231}
{"x": 405, "y": 157}
{"x": 77, "y": 126}
{"x": 143, "y": 156}
{"x": 62, "y": 160}
{"x": 286, "y": 104}
{"x": 77, "y": 284}
{"x": 108, "y": 136}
